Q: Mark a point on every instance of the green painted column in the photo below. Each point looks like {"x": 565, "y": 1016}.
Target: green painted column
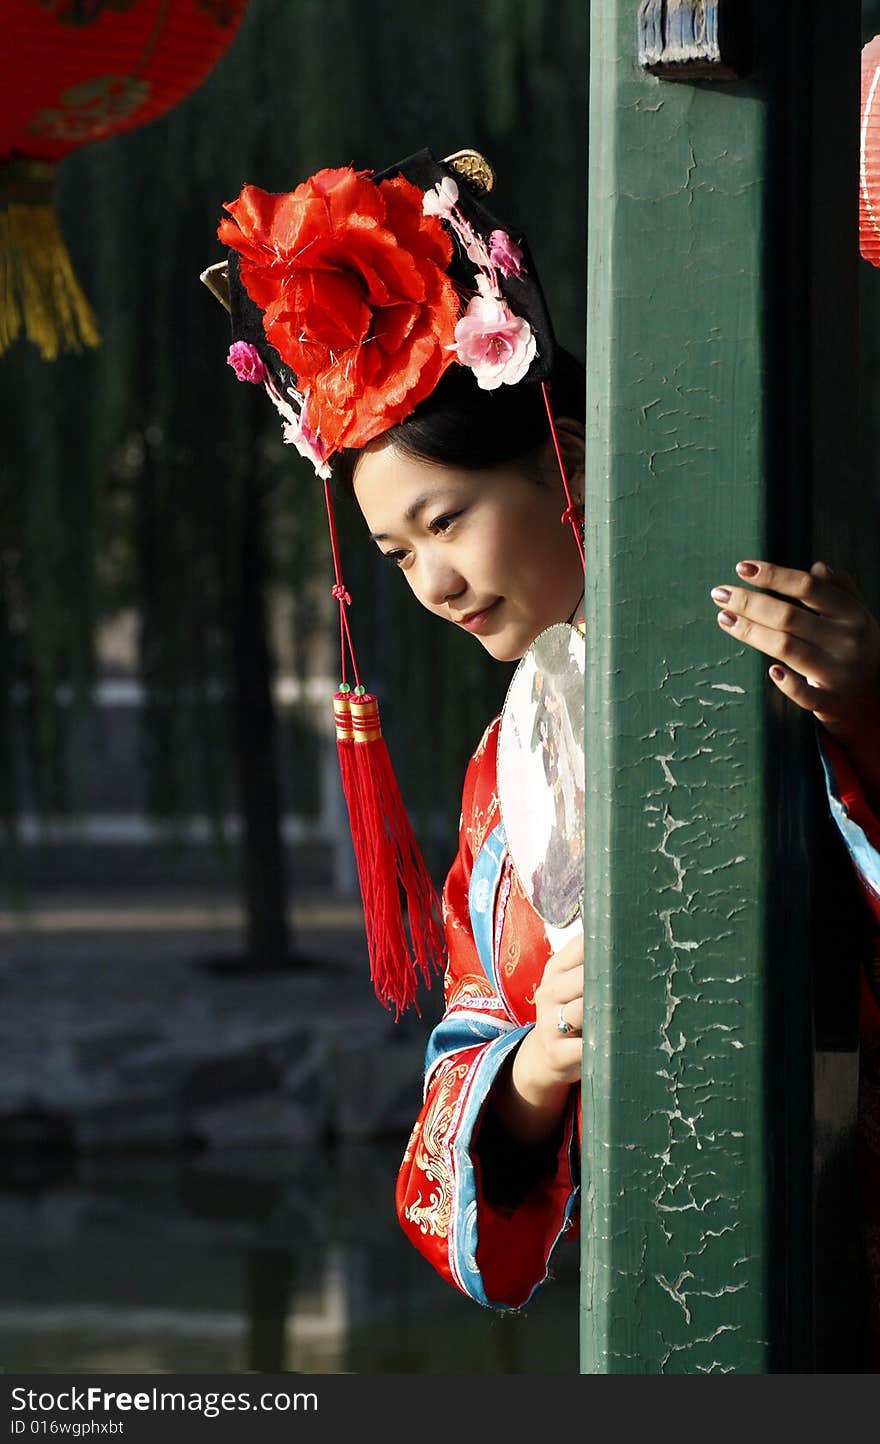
{"x": 720, "y": 320}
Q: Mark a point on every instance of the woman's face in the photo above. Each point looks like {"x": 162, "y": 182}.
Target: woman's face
{"x": 483, "y": 549}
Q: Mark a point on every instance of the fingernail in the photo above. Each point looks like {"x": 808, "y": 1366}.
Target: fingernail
{"x": 720, "y": 594}
{"x": 747, "y": 569}
{"x": 829, "y": 571}
{"x": 727, "y": 619}
{"x": 777, "y": 674}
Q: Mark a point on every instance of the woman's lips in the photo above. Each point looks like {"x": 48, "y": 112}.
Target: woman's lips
{"x": 477, "y": 621}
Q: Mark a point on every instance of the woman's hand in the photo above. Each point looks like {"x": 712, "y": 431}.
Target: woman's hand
{"x": 532, "y": 1094}
{"x": 824, "y": 642}
{"x": 559, "y": 999}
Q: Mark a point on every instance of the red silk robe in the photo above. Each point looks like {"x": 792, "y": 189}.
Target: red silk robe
{"x": 497, "y": 949}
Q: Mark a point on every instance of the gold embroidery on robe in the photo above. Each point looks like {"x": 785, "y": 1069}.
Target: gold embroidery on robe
{"x": 433, "y": 1156}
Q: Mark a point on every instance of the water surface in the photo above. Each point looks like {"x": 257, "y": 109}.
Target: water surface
{"x": 230, "y": 1262}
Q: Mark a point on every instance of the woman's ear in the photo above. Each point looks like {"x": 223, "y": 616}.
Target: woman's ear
{"x": 572, "y": 446}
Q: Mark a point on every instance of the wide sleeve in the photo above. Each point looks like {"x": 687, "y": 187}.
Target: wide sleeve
{"x": 496, "y": 1254}
{"x": 859, "y": 827}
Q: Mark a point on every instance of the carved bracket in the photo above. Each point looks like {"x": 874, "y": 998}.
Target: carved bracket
{"x": 692, "y": 39}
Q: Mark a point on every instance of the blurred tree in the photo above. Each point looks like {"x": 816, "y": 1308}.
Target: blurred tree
{"x": 143, "y": 477}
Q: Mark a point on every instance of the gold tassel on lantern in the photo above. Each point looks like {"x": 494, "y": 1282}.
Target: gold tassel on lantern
{"x": 39, "y": 292}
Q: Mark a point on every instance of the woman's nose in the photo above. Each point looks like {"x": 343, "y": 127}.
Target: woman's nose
{"x": 439, "y": 582}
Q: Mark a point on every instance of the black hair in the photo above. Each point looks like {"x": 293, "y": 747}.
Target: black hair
{"x": 460, "y": 425}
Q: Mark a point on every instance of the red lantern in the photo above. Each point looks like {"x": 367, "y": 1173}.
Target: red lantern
{"x": 78, "y": 71}
{"x": 869, "y": 154}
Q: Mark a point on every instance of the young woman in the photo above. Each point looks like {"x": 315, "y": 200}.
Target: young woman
{"x": 401, "y": 333}
{"x": 489, "y": 1180}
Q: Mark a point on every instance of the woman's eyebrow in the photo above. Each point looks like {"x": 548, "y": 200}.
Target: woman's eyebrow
{"x": 410, "y": 514}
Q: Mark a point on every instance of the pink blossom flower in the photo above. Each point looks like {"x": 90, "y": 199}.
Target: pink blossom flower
{"x": 285, "y": 408}
{"x": 246, "y": 362}
{"x": 505, "y": 254}
{"x": 441, "y": 199}
{"x": 298, "y": 433}
{"x": 296, "y": 430}
{"x": 497, "y": 346}
{"x": 476, "y": 250}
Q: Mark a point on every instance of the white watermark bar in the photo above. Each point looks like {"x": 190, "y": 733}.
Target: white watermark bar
{"x": 264, "y": 1408}
{"x": 140, "y": 1406}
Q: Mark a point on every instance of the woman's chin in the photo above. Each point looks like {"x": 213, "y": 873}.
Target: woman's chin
{"x": 501, "y": 654}
{"x": 507, "y": 645}
{"x": 510, "y": 644}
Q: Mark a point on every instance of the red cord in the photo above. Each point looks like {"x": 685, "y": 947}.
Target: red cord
{"x": 340, "y": 592}
{"x": 572, "y": 514}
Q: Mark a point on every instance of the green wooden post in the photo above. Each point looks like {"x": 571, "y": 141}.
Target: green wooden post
{"x": 722, "y": 367}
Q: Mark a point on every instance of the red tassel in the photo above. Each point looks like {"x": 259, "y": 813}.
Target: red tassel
{"x": 378, "y": 893}
{"x": 345, "y": 751}
{"x": 388, "y": 859}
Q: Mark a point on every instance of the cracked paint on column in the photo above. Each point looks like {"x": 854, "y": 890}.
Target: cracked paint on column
{"x": 695, "y": 1068}
{"x": 674, "y": 1172}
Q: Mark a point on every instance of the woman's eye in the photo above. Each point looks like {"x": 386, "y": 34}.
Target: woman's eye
{"x": 443, "y": 523}
{"x": 439, "y": 526}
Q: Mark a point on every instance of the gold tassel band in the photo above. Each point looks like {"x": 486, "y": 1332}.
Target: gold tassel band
{"x": 39, "y": 291}
{"x": 365, "y": 717}
{"x": 342, "y": 717}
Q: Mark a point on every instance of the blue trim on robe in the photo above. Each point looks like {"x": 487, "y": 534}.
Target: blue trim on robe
{"x": 466, "y": 1235}
{"x": 465, "y": 1028}
{"x": 482, "y": 895}
{"x": 864, "y": 855}
{"x": 466, "y": 1230}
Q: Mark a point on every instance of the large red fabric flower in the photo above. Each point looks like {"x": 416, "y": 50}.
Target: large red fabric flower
{"x": 351, "y": 279}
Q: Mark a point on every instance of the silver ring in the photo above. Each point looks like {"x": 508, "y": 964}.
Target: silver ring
{"x": 561, "y": 1026}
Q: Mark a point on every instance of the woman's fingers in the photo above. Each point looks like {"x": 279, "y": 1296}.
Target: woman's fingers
{"x": 822, "y": 638}
{"x": 570, "y": 956}
{"x": 558, "y": 991}
{"x": 566, "y": 988}
{"x": 819, "y": 627}
{"x": 839, "y": 578}
{"x": 776, "y": 614}
{"x": 817, "y": 590}
{"x": 811, "y": 660}
{"x": 572, "y": 1015}
{"x": 559, "y": 1013}
{"x": 559, "y": 1005}
{"x": 797, "y": 689}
